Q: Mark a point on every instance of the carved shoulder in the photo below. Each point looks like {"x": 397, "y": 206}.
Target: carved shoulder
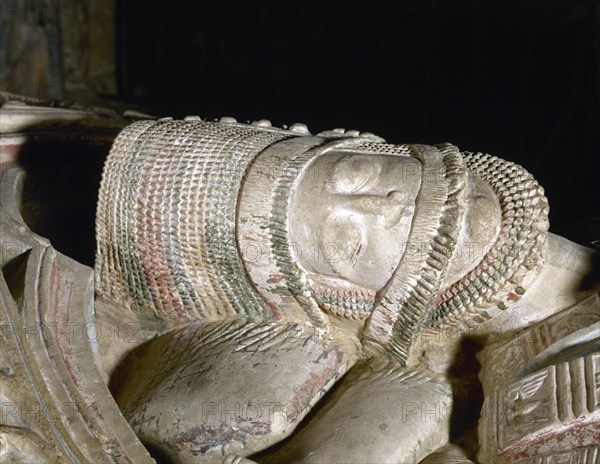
{"x": 199, "y": 393}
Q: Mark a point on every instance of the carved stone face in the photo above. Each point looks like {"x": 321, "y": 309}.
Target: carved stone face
{"x": 351, "y": 215}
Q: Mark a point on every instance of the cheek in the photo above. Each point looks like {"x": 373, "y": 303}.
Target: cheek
{"x": 359, "y": 250}
{"x": 343, "y": 240}
{"x": 383, "y": 256}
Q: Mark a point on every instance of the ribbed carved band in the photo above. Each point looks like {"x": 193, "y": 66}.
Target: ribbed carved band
{"x": 514, "y": 259}
{"x": 406, "y": 301}
{"x": 166, "y": 244}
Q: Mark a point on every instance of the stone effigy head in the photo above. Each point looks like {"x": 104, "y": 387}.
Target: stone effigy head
{"x": 204, "y": 221}
{"x": 350, "y": 217}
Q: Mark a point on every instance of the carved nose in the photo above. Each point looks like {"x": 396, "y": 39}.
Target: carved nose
{"x": 387, "y": 211}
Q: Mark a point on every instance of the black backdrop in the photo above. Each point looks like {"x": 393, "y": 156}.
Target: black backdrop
{"x": 515, "y": 78}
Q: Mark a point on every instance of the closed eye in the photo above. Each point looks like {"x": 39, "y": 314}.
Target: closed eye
{"x": 353, "y": 174}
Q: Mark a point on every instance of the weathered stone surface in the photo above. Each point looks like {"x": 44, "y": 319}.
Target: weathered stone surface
{"x": 276, "y": 296}
{"x": 208, "y": 378}
{"x": 56, "y": 406}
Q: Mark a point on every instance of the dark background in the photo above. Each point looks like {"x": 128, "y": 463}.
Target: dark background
{"x": 518, "y": 79}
